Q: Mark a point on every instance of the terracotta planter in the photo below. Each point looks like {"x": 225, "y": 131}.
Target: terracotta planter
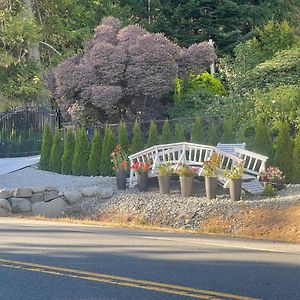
{"x": 121, "y": 176}
{"x": 235, "y": 188}
{"x": 164, "y": 184}
{"x": 186, "y": 185}
{"x": 142, "y": 179}
{"x": 211, "y": 187}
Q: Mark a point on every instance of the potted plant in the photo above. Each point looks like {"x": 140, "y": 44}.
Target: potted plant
{"x": 141, "y": 169}
{"x": 210, "y": 172}
{"x": 273, "y": 176}
{"x": 186, "y": 178}
{"x": 235, "y": 181}
{"x": 119, "y": 159}
{"x": 164, "y": 177}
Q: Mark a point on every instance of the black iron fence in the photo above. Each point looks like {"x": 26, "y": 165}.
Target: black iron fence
{"x": 21, "y": 130}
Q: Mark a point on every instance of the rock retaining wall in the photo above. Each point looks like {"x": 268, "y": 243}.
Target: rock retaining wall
{"x": 46, "y": 201}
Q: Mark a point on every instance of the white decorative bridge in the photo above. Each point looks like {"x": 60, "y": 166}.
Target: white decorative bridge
{"x": 195, "y": 155}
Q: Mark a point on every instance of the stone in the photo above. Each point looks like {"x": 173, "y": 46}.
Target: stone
{"x": 38, "y": 189}
{"x": 48, "y": 196}
{"x": 51, "y": 188}
{"x": 5, "y": 205}
{"x": 22, "y": 193}
{"x": 106, "y": 193}
{"x": 20, "y": 205}
{"x": 5, "y": 194}
{"x": 96, "y": 191}
{"x": 52, "y": 209}
{"x": 4, "y": 212}
{"x": 37, "y": 197}
{"x": 73, "y": 197}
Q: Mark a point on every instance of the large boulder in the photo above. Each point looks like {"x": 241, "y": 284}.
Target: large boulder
{"x": 96, "y": 191}
{"x": 49, "y": 196}
{"x": 51, "y": 209}
{"x": 38, "y": 197}
{"x": 5, "y": 208}
{"x": 38, "y": 189}
{"x": 22, "y": 193}
{"x": 4, "y": 194}
{"x": 20, "y": 205}
{"x": 73, "y": 197}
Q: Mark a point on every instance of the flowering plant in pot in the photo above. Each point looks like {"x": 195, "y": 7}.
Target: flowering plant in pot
{"x": 165, "y": 171}
{"x": 273, "y": 176}
{"x": 235, "y": 180}
{"x": 186, "y": 178}
{"x": 141, "y": 169}
{"x": 119, "y": 159}
{"x": 210, "y": 172}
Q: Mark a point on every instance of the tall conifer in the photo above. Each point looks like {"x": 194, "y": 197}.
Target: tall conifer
{"x": 47, "y": 140}
{"x": 56, "y": 152}
{"x": 108, "y": 145}
{"x": 95, "y": 155}
{"x": 67, "y": 157}
{"x": 137, "y": 139}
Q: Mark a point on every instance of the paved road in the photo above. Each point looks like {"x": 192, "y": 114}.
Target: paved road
{"x": 48, "y": 260}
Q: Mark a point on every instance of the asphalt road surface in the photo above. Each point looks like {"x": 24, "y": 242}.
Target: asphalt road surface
{"x": 49, "y": 260}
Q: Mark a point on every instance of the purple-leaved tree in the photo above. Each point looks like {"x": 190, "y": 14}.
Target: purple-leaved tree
{"x": 124, "y": 73}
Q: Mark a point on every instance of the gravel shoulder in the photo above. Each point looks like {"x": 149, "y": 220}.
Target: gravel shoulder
{"x": 275, "y": 218}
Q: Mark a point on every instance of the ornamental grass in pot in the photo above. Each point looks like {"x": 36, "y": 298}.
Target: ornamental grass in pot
{"x": 235, "y": 181}
{"x": 141, "y": 169}
{"x": 119, "y": 159}
{"x": 186, "y": 178}
{"x": 165, "y": 171}
{"x": 210, "y": 172}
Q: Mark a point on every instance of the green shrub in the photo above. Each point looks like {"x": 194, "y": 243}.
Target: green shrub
{"x": 81, "y": 154}
{"x": 137, "y": 139}
{"x": 296, "y": 160}
{"x": 197, "y": 135}
{"x": 212, "y": 135}
{"x": 123, "y": 137}
{"x": 95, "y": 155}
{"x": 227, "y": 136}
{"x": 166, "y": 135}
{"x": 262, "y": 140}
{"x": 179, "y": 133}
{"x": 269, "y": 190}
{"x": 152, "y": 135}
{"x": 68, "y": 153}
{"x": 284, "y": 151}
{"x": 56, "y": 153}
{"x": 106, "y": 166}
{"x": 47, "y": 140}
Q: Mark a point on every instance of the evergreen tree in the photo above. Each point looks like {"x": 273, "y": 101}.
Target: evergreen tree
{"x": 212, "y": 135}
{"x": 227, "y": 136}
{"x": 179, "y": 133}
{"x": 47, "y": 140}
{"x": 152, "y": 135}
{"x": 137, "y": 139}
{"x": 197, "y": 131}
{"x": 106, "y": 167}
{"x": 81, "y": 154}
{"x": 262, "y": 140}
{"x": 166, "y": 135}
{"x": 95, "y": 155}
{"x": 67, "y": 157}
{"x": 56, "y": 153}
{"x": 296, "y": 160}
{"x": 284, "y": 151}
{"x": 123, "y": 137}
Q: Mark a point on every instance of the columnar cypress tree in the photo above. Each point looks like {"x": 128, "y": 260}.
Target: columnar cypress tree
{"x": 56, "y": 152}
{"x": 262, "y": 140}
{"x": 95, "y": 155}
{"x": 296, "y": 160}
{"x": 284, "y": 151}
{"x": 106, "y": 167}
{"x": 152, "y": 135}
{"x": 212, "y": 135}
{"x": 47, "y": 140}
{"x": 123, "y": 137}
{"x": 81, "y": 153}
{"x": 137, "y": 139}
{"x": 227, "y": 136}
{"x": 166, "y": 135}
{"x": 67, "y": 157}
{"x": 179, "y": 133}
{"x": 197, "y": 135}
